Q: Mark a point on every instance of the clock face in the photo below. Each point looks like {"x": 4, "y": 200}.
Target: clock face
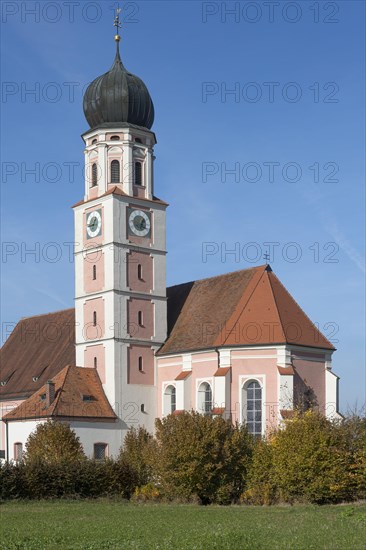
{"x": 139, "y": 223}
{"x": 93, "y": 224}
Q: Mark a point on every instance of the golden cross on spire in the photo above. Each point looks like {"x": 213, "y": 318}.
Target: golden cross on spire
{"x": 117, "y": 23}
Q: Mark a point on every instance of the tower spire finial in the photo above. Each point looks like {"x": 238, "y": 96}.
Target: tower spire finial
{"x": 117, "y": 23}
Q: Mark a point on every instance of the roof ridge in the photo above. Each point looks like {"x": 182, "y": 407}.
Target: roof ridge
{"x": 257, "y": 267}
{"x": 302, "y": 311}
{"x": 277, "y": 308}
{"x": 57, "y": 399}
{"x": 246, "y": 300}
{"x": 48, "y": 313}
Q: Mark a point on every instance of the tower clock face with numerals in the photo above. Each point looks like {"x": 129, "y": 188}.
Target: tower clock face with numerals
{"x": 139, "y": 223}
{"x": 94, "y": 224}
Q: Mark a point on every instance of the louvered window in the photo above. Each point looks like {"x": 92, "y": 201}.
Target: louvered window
{"x": 115, "y": 175}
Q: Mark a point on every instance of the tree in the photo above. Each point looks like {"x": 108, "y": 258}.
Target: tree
{"x": 53, "y": 442}
{"x": 138, "y": 452}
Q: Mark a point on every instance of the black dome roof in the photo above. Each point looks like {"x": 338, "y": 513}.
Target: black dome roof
{"x": 118, "y": 97}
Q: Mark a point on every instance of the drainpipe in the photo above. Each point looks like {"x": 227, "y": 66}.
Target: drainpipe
{"x": 7, "y": 440}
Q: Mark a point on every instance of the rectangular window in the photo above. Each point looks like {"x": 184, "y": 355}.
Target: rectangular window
{"x": 18, "y": 451}
{"x": 100, "y": 451}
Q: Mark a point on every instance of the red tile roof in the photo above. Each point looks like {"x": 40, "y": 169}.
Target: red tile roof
{"x": 222, "y": 371}
{"x": 249, "y": 307}
{"x": 118, "y": 191}
{"x": 78, "y": 394}
{"x": 183, "y": 375}
{"x": 287, "y": 371}
{"x": 37, "y": 349}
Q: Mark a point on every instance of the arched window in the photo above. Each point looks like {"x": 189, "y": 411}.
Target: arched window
{"x": 95, "y": 362}
{"x": 204, "y": 400}
{"x": 139, "y": 272}
{"x": 141, "y": 364}
{"x": 94, "y": 318}
{"x": 115, "y": 177}
{"x": 140, "y": 319}
{"x": 94, "y": 175}
{"x": 18, "y": 451}
{"x": 138, "y": 173}
{"x": 252, "y": 407}
{"x": 169, "y": 400}
{"x": 114, "y": 138}
{"x": 94, "y": 272}
{"x": 94, "y": 141}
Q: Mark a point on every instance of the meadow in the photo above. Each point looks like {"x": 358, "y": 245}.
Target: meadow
{"x": 109, "y": 524}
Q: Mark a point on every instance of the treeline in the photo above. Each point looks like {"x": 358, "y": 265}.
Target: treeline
{"x": 196, "y": 458}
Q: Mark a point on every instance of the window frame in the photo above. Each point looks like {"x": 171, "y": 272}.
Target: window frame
{"x": 243, "y": 385}
{"x": 206, "y": 410}
{"x": 114, "y": 172}
{"x": 18, "y": 444}
{"x": 106, "y": 450}
{"x": 173, "y": 399}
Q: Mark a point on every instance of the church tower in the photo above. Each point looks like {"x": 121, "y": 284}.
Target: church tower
{"x": 120, "y": 253}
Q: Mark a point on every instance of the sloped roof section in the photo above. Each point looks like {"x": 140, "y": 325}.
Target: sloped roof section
{"x": 37, "y": 349}
{"x": 197, "y": 311}
{"x": 78, "y": 394}
{"x": 248, "y": 307}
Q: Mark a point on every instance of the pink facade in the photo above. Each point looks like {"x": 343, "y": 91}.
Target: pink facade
{"x": 140, "y": 365}
{"x": 94, "y": 271}
{"x": 94, "y": 319}
{"x": 140, "y": 315}
{"x": 140, "y": 272}
{"x": 94, "y": 357}
{"x": 242, "y": 366}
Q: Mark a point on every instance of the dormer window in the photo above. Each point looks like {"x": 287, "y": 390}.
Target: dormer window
{"x": 115, "y": 171}
{"x": 138, "y": 173}
{"x": 88, "y": 398}
{"x": 42, "y": 397}
{"x": 94, "y": 175}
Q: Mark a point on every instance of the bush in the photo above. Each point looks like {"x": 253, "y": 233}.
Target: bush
{"x": 53, "y": 442}
{"x": 138, "y": 452}
{"x": 261, "y": 487}
{"x": 309, "y": 461}
{"x": 203, "y": 456}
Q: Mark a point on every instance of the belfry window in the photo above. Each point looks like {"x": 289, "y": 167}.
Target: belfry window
{"x": 94, "y": 141}
{"x": 204, "y": 400}
{"x": 141, "y": 364}
{"x": 115, "y": 171}
{"x": 140, "y": 319}
{"x": 94, "y": 175}
{"x": 169, "y": 399}
{"x": 252, "y": 407}
{"x": 138, "y": 173}
{"x": 114, "y": 138}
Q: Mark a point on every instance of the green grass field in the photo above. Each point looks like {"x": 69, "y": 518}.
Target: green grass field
{"x": 99, "y": 525}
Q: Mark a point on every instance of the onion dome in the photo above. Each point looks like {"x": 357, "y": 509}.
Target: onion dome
{"x": 118, "y": 97}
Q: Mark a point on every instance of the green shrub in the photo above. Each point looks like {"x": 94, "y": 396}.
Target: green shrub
{"x": 53, "y": 442}
{"x": 138, "y": 451}
{"x": 309, "y": 461}
{"x": 261, "y": 487}
{"x": 203, "y": 456}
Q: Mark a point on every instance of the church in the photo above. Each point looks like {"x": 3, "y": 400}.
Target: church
{"x": 236, "y": 345}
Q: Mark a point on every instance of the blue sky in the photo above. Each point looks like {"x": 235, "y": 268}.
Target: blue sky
{"x": 291, "y": 132}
